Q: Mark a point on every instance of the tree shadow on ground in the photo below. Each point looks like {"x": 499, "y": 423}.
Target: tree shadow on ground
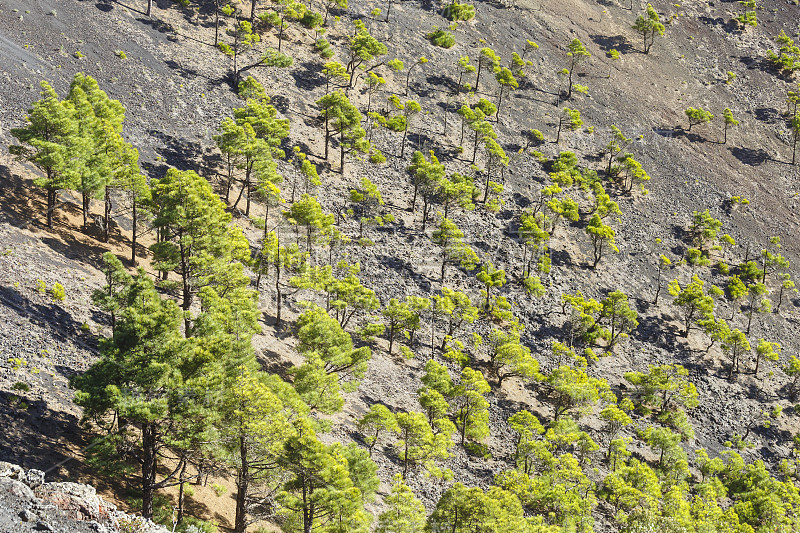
{"x": 25, "y": 210}
{"x": 612, "y": 42}
{"x": 678, "y": 132}
{"x": 191, "y": 73}
{"x": 729, "y": 25}
{"x": 61, "y": 325}
{"x": 763, "y": 64}
{"x": 768, "y": 115}
{"x": 752, "y": 157}
{"x": 442, "y": 82}
{"x": 159, "y": 25}
{"x": 108, "y": 5}
{"x": 35, "y": 436}
{"x": 307, "y": 76}
{"x": 177, "y": 152}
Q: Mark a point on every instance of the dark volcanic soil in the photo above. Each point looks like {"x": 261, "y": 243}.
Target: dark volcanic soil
{"x": 175, "y": 88}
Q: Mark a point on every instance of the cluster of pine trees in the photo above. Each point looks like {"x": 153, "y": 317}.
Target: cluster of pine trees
{"x": 178, "y": 387}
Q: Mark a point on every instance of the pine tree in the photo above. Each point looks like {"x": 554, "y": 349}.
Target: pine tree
{"x": 418, "y": 444}
{"x": 400, "y": 318}
{"x": 378, "y": 420}
{"x": 456, "y": 308}
{"x": 425, "y": 174}
{"x": 620, "y": 317}
{"x": 649, "y": 24}
{"x": 734, "y": 346}
{"x": 471, "y": 406}
{"x": 404, "y": 513}
{"x": 698, "y": 116}
{"x": 490, "y": 277}
{"x": 509, "y": 358}
{"x": 330, "y": 358}
{"x": 195, "y": 239}
{"x": 99, "y": 121}
{"x": 487, "y": 60}
{"x": 112, "y": 297}
{"x": 602, "y": 237}
{"x": 47, "y": 142}
{"x": 526, "y": 426}
{"x": 577, "y": 54}
{"x": 333, "y": 71}
{"x": 127, "y": 178}
{"x": 283, "y": 259}
{"x": 341, "y": 117}
{"x": 255, "y": 424}
{"x": 693, "y": 302}
{"x": 134, "y": 391}
{"x": 730, "y": 122}
{"x": 244, "y": 39}
{"x": 319, "y": 494}
{"x": 308, "y": 212}
{"x": 363, "y": 47}
{"x": 507, "y": 83}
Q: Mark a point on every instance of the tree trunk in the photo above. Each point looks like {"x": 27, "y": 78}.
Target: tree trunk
{"x": 181, "y": 492}
{"x": 327, "y": 136}
{"x": 107, "y": 214}
{"x": 149, "y": 466}
{"x": 403, "y": 142}
{"x": 499, "y": 103}
{"x": 247, "y": 199}
{"x": 388, "y": 10}
{"x": 51, "y": 206}
{"x": 341, "y": 150}
{"x": 86, "y": 198}
{"x": 149, "y": 7}
{"x": 133, "y": 235}
{"x": 238, "y": 198}
{"x": 242, "y": 481}
{"x": 278, "y": 287}
{"x": 658, "y": 287}
{"x": 569, "y": 81}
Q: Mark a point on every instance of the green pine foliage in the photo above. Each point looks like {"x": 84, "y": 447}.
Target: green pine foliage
{"x": 182, "y": 387}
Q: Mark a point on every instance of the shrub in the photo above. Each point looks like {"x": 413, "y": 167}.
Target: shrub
{"x": 219, "y": 490}
{"x": 456, "y": 12}
{"x": 20, "y": 386}
{"x": 250, "y": 88}
{"x": 698, "y": 116}
{"x": 324, "y": 48}
{"x": 57, "y": 292}
{"x": 377, "y": 157}
{"x": 121, "y": 54}
{"x": 441, "y": 38}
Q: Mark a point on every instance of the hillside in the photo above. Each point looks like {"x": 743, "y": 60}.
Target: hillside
{"x": 540, "y": 209}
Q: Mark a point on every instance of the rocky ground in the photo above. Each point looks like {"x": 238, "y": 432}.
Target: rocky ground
{"x": 28, "y": 503}
{"x": 174, "y": 87}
